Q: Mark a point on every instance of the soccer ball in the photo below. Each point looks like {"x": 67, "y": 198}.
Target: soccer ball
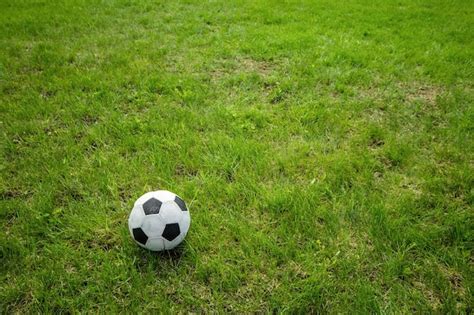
{"x": 159, "y": 220}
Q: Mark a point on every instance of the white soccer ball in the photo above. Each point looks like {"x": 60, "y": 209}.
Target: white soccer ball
{"x": 159, "y": 220}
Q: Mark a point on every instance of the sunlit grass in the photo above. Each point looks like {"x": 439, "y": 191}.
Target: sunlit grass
{"x": 324, "y": 149}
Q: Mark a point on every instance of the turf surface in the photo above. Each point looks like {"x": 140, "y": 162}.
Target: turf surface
{"x": 325, "y": 150}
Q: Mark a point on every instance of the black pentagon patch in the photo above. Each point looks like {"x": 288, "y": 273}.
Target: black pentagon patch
{"x": 180, "y": 203}
{"x": 140, "y": 236}
{"x": 171, "y": 231}
{"x": 152, "y": 206}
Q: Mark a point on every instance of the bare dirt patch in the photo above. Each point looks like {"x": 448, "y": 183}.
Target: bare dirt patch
{"x": 261, "y": 67}
{"x": 408, "y": 91}
{"x": 228, "y": 67}
{"x": 420, "y": 92}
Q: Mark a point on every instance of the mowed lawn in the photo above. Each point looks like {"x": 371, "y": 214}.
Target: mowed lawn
{"x": 325, "y": 150}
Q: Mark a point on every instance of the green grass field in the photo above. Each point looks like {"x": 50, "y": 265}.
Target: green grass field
{"x": 325, "y": 150}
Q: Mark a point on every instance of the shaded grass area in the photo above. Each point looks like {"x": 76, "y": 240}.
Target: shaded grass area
{"x": 324, "y": 149}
